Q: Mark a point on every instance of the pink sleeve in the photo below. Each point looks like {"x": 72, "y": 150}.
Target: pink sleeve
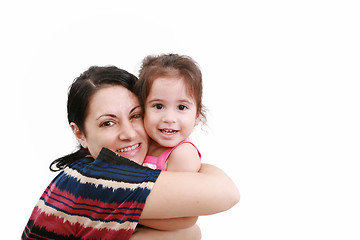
{"x": 165, "y": 155}
{"x": 159, "y": 162}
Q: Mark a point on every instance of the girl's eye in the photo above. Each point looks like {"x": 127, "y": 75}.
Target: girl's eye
{"x": 107, "y": 124}
{"x": 182, "y": 107}
{"x": 158, "y": 106}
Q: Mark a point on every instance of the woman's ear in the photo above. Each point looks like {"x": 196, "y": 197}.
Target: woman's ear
{"x": 80, "y": 136}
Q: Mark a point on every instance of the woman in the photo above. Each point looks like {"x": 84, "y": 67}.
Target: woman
{"x": 100, "y": 193}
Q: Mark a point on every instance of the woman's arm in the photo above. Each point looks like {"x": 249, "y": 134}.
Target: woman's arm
{"x": 144, "y": 233}
{"x": 186, "y": 194}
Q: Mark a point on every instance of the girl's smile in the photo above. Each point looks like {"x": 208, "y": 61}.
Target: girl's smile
{"x": 170, "y": 112}
{"x": 168, "y": 133}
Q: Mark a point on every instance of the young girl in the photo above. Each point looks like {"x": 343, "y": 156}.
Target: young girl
{"x": 170, "y": 91}
{"x": 100, "y": 194}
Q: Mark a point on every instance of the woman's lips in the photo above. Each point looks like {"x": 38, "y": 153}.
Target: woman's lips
{"x": 129, "y": 151}
{"x": 135, "y": 152}
{"x": 126, "y": 149}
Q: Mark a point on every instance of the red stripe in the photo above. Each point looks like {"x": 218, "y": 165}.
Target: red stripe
{"x": 65, "y": 201}
{"x": 92, "y": 233}
{"x": 52, "y": 223}
{"x": 37, "y": 235}
{"x": 64, "y": 195}
{"x": 62, "y": 227}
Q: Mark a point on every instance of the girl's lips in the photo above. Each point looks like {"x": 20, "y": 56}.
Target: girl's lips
{"x": 168, "y": 131}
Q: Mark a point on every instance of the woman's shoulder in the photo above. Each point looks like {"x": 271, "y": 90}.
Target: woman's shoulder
{"x": 110, "y": 166}
{"x": 104, "y": 177}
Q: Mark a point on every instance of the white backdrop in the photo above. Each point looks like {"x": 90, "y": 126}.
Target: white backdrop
{"x": 281, "y": 82}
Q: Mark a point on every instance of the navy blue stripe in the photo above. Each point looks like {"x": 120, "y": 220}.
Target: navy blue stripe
{"x": 49, "y": 193}
{"x": 100, "y": 165}
{"x": 111, "y": 173}
{"x": 110, "y": 166}
{"x": 100, "y": 193}
{"x": 83, "y": 209}
{"x": 87, "y": 216}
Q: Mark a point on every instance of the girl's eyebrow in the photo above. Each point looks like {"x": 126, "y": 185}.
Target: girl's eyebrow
{"x": 154, "y": 100}
{"x": 180, "y": 101}
{"x": 186, "y": 101}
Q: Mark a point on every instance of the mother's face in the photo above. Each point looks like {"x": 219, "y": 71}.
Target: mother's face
{"x": 114, "y": 121}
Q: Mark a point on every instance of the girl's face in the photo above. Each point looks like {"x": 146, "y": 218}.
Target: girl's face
{"x": 170, "y": 112}
{"x": 114, "y": 121}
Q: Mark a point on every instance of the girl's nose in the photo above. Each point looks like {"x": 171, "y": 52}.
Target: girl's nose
{"x": 169, "y": 117}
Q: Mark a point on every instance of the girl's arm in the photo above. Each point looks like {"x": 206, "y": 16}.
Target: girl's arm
{"x": 186, "y": 194}
{"x": 170, "y": 223}
{"x": 184, "y": 158}
{"x": 143, "y": 233}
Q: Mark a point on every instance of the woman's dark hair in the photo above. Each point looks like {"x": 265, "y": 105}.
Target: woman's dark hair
{"x": 80, "y": 93}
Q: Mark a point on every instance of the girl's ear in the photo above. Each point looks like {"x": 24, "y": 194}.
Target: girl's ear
{"x": 197, "y": 120}
{"x": 80, "y": 136}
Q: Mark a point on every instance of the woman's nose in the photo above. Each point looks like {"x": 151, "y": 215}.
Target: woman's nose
{"x": 127, "y": 131}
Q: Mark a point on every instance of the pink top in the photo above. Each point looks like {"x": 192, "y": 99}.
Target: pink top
{"x": 159, "y": 162}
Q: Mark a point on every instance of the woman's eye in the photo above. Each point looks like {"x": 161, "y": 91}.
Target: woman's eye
{"x": 158, "y": 106}
{"x": 107, "y": 124}
{"x": 182, "y": 107}
{"x": 136, "y": 115}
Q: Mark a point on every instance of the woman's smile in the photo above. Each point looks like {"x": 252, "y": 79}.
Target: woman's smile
{"x": 126, "y": 149}
{"x": 130, "y": 151}
{"x": 124, "y": 131}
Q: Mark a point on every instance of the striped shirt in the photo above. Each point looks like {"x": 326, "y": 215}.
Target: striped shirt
{"x": 92, "y": 199}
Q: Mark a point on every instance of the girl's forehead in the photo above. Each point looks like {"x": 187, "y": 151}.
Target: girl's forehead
{"x": 165, "y": 84}
{"x": 174, "y": 89}
{"x": 170, "y": 80}
{"x": 178, "y": 79}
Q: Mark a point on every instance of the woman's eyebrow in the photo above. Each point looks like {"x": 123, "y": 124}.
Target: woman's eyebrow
{"x": 114, "y": 115}
{"x": 107, "y": 115}
{"x": 132, "y": 110}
